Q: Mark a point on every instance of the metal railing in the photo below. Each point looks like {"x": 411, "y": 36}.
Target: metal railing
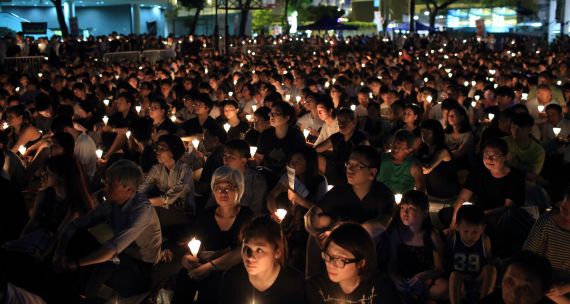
{"x": 117, "y": 57}
{"x": 24, "y": 63}
{"x": 152, "y": 56}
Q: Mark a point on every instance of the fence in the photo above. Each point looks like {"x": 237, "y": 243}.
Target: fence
{"x": 25, "y": 63}
{"x": 117, "y": 57}
{"x": 151, "y": 56}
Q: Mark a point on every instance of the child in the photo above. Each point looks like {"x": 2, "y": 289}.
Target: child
{"x": 416, "y": 252}
{"x": 469, "y": 249}
{"x": 398, "y": 170}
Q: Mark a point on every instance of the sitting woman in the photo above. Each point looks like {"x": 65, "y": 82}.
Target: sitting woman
{"x": 169, "y": 183}
{"x": 438, "y": 165}
{"x": 351, "y": 275}
{"x": 62, "y": 198}
{"x": 263, "y": 277}
{"x": 309, "y": 188}
{"x": 22, "y": 132}
{"x": 416, "y": 252}
{"x": 217, "y": 228}
{"x": 238, "y": 128}
{"x": 549, "y": 238}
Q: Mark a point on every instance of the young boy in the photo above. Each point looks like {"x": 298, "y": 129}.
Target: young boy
{"x": 398, "y": 170}
{"x": 469, "y": 250}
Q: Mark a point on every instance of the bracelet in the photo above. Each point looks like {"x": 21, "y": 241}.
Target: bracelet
{"x": 214, "y": 267}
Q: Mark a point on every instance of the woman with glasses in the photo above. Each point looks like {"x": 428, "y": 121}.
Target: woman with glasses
{"x": 279, "y": 141}
{"x": 263, "y": 276}
{"x": 351, "y": 270}
{"x": 161, "y": 123}
{"x": 217, "y": 228}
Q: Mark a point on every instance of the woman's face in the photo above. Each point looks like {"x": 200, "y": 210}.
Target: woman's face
{"x": 298, "y": 163}
{"x": 14, "y": 120}
{"x": 230, "y": 112}
{"x": 277, "y": 118}
{"x": 323, "y": 113}
{"x": 411, "y": 215}
{"x": 346, "y": 125}
{"x": 339, "y": 256}
{"x": 163, "y": 154}
{"x": 427, "y": 136}
{"x": 493, "y": 159}
{"x": 335, "y": 94}
{"x": 258, "y": 256}
{"x": 156, "y": 113}
{"x": 453, "y": 118}
{"x": 410, "y": 116}
{"x": 225, "y": 193}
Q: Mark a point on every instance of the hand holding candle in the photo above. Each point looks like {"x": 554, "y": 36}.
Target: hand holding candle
{"x": 280, "y": 214}
{"x": 194, "y": 246}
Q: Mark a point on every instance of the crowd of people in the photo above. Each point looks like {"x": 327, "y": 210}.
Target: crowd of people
{"x": 309, "y": 170}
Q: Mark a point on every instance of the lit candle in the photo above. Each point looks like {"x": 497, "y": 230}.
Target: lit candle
{"x": 329, "y": 187}
{"x": 473, "y": 104}
{"x": 426, "y": 79}
{"x": 227, "y": 127}
{"x": 99, "y": 153}
{"x": 473, "y": 83}
{"x": 287, "y": 97}
{"x": 231, "y": 93}
{"x": 327, "y": 84}
{"x": 429, "y": 98}
{"x": 541, "y": 108}
{"x": 138, "y": 109}
{"x": 370, "y": 95}
{"x": 556, "y": 131}
{"x": 353, "y": 107}
{"x": 248, "y": 117}
{"x": 362, "y": 83}
{"x": 40, "y": 75}
{"x": 252, "y": 150}
{"x": 559, "y": 82}
{"x": 194, "y": 246}
{"x": 306, "y": 133}
{"x": 17, "y": 89}
{"x": 466, "y": 83}
{"x": 450, "y": 75}
{"x": 106, "y": 102}
{"x": 254, "y": 108}
{"x": 524, "y": 96}
{"x": 128, "y": 134}
{"x": 467, "y": 204}
{"x": 22, "y": 150}
{"x": 298, "y": 98}
{"x": 173, "y": 118}
{"x": 206, "y": 70}
{"x": 5, "y": 126}
{"x": 333, "y": 80}
{"x": 495, "y": 85}
{"x": 195, "y": 143}
{"x": 477, "y": 97}
{"x": 280, "y": 214}
{"x": 398, "y": 198}
{"x": 491, "y": 116}
{"x": 105, "y": 119}
{"x": 492, "y": 72}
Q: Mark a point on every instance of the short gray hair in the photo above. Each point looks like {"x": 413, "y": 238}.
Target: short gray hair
{"x": 232, "y": 176}
{"x": 126, "y": 172}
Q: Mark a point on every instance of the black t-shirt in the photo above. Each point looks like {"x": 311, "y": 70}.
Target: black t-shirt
{"x": 237, "y": 132}
{"x": 378, "y": 289}
{"x": 496, "y": 297}
{"x": 209, "y": 233}
{"x": 342, "y": 204}
{"x": 342, "y": 149}
{"x": 192, "y": 126}
{"x": 214, "y": 161}
{"x": 252, "y": 137}
{"x": 117, "y": 120}
{"x": 276, "y": 151}
{"x": 491, "y": 192}
{"x": 288, "y": 288}
{"x": 166, "y": 125}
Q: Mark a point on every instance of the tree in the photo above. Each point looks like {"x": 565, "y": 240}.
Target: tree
{"x": 60, "y": 17}
{"x": 261, "y": 20}
{"x": 433, "y": 7}
{"x": 193, "y": 4}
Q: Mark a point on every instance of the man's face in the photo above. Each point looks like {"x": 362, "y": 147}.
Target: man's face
{"x": 118, "y": 193}
{"x": 553, "y": 117}
{"x": 544, "y": 96}
{"x": 234, "y": 160}
{"x": 519, "y": 287}
{"x": 122, "y": 105}
{"x": 519, "y": 132}
{"x": 358, "y": 170}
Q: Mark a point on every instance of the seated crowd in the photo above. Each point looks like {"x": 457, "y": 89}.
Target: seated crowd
{"x": 413, "y": 170}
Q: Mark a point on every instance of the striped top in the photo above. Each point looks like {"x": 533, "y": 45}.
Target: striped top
{"x": 549, "y": 240}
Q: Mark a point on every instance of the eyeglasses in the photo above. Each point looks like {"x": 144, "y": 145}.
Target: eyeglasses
{"x": 355, "y": 166}
{"x": 161, "y": 148}
{"x": 492, "y": 156}
{"x": 337, "y": 261}
{"x": 275, "y": 114}
{"x": 224, "y": 190}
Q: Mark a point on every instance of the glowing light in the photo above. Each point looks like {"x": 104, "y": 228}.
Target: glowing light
{"x": 398, "y": 198}
{"x": 254, "y": 108}
{"x": 473, "y": 104}
{"x": 252, "y": 150}
{"x": 306, "y": 132}
{"x": 138, "y": 109}
{"x": 467, "y": 204}
{"x": 473, "y": 83}
{"x": 195, "y": 143}
{"x": 5, "y": 126}
{"x": 524, "y": 96}
{"x": 298, "y": 98}
{"x": 227, "y": 127}
{"x": 248, "y": 117}
{"x": 541, "y": 108}
{"x": 429, "y": 98}
{"x": 466, "y": 83}
{"x": 106, "y": 102}
{"x": 194, "y": 246}
{"x": 173, "y": 118}
{"x": 128, "y": 134}
{"x": 287, "y": 97}
{"x": 491, "y": 116}
{"x": 231, "y": 93}
{"x": 105, "y": 119}
{"x": 329, "y": 187}
{"x": 477, "y": 97}
{"x": 99, "y": 153}
{"x": 353, "y": 107}
{"x": 280, "y": 214}
{"x": 556, "y": 131}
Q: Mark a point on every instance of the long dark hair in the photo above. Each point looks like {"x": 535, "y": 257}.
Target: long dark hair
{"x": 464, "y": 126}
{"x": 77, "y": 195}
{"x": 419, "y": 200}
{"x": 437, "y": 132}
{"x": 312, "y": 176}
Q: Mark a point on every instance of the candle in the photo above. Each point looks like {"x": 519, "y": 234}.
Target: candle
{"x": 105, "y": 119}
{"x": 492, "y": 72}
{"x": 466, "y": 83}
{"x": 429, "y": 98}
{"x": 206, "y": 70}
{"x": 353, "y": 107}
{"x": 473, "y": 82}
{"x": 5, "y": 126}
{"x": 327, "y": 84}
{"x": 17, "y": 89}
{"x": 254, "y": 108}
{"x": 473, "y": 104}
{"x": 333, "y": 80}
{"x": 194, "y": 246}
{"x": 491, "y": 116}
{"x": 298, "y": 98}
{"x": 287, "y": 97}
{"x": 541, "y": 108}
{"x": 22, "y": 150}
{"x": 195, "y": 143}
{"x": 138, "y": 108}
{"x": 398, "y": 198}
{"x": 40, "y": 75}
{"x": 306, "y": 133}
{"x": 227, "y": 127}
{"x": 248, "y": 117}
{"x": 426, "y": 79}
{"x": 370, "y": 95}
{"x": 106, "y": 102}
{"x": 467, "y": 204}
{"x": 450, "y": 75}
{"x": 524, "y": 96}
{"x": 128, "y": 134}
{"x": 99, "y": 153}
{"x": 477, "y": 97}
{"x": 252, "y": 150}
{"x": 559, "y": 82}
{"x": 280, "y": 214}
{"x": 556, "y": 131}
{"x": 173, "y": 118}
{"x": 231, "y": 93}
